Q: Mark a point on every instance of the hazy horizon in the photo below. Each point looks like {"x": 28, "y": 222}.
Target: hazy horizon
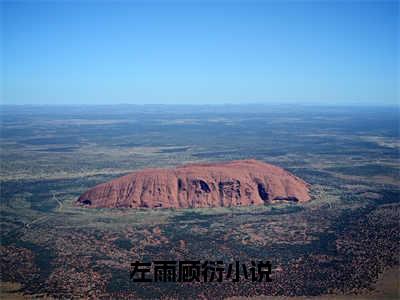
{"x": 244, "y": 104}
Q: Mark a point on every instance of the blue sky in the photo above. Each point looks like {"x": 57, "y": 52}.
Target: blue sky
{"x": 316, "y": 52}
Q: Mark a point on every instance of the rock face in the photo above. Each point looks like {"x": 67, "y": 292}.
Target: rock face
{"x": 236, "y": 183}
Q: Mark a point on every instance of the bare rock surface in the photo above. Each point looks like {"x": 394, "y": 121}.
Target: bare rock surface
{"x": 235, "y": 183}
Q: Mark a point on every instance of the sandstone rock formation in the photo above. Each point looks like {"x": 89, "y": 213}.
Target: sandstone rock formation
{"x": 235, "y": 183}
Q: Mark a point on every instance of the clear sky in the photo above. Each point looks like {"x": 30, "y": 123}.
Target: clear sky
{"x": 106, "y": 52}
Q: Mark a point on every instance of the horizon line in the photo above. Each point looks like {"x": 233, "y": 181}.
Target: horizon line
{"x": 361, "y": 104}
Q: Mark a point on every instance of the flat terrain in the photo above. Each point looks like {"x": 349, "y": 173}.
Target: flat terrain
{"x": 338, "y": 244}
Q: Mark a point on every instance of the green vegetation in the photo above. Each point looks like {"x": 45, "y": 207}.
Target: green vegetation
{"x": 50, "y": 246}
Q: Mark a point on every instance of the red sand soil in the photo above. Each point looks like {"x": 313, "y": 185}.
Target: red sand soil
{"x": 235, "y": 183}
